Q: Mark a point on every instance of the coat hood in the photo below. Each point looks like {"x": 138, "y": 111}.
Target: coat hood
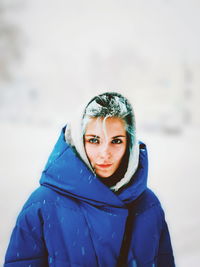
{"x": 66, "y": 173}
{"x": 74, "y": 137}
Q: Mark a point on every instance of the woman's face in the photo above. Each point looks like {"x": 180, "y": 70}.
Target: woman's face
{"x": 105, "y": 146}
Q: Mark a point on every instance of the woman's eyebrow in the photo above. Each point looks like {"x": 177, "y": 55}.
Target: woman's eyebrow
{"x": 93, "y": 135}
{"x": 117, "y": 136}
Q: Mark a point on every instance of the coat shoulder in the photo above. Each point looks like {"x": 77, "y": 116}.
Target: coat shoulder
{"x": 45, "y": 197}
{"x": 148, "y": 213}
{"x": 147, "y": 201}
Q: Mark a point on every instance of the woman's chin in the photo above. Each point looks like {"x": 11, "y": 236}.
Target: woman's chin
{"x": 104, "y": 174}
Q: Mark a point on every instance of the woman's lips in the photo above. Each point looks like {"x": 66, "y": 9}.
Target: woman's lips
{"x": 103, "y": 165}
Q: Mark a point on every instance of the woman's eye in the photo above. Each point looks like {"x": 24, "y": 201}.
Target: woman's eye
{"x": 93, "y": 141}
{"x": 116, "y": 141}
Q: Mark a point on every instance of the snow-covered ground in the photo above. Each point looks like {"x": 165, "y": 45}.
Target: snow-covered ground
{"x": 173, "y": 174}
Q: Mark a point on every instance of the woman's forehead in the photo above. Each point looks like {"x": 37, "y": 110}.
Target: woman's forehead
{"x": 112, "y": 125}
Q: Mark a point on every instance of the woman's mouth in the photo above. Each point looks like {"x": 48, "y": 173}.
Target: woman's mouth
{"x": 104, "y": 166}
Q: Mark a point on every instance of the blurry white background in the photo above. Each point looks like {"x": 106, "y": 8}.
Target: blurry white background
{"x": 56, "y": 54}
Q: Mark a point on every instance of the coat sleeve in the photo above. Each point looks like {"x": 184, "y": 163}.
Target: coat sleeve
{"x": 165, "y": 252}
{"x": 26, "y": 246}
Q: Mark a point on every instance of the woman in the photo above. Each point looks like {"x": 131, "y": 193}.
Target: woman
{"x": 93, "y": 207}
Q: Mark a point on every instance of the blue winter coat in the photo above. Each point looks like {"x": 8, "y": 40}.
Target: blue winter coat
{"x": 74, "y": 220}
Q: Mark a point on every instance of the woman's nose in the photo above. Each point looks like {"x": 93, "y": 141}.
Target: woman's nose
{"x": 104, "y": 151}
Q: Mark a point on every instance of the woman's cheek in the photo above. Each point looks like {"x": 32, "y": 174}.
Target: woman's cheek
{"x": 91, "y": 152}
{"x": 118, "y": 150}
{"x": 119, "y": 153}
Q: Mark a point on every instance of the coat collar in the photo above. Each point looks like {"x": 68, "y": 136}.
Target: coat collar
{"x": 68, "y": 174}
